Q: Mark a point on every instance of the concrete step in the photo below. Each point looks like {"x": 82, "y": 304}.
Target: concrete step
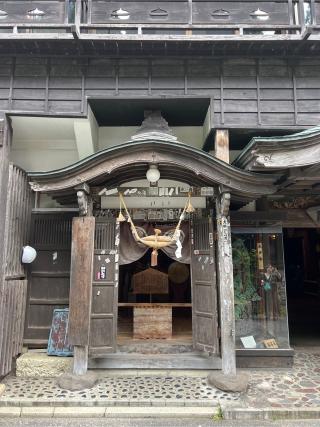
{"x": 108, "y": 412}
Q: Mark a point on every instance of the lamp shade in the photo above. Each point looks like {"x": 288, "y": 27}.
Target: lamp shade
{"x": 153, "y": 173}
{"x": 29, "y": 254}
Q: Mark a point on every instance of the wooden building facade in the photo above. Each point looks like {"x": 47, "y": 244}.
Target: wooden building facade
{"x": 109, "y": 84}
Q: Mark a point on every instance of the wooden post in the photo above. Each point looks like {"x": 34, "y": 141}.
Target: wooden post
{"x": 81, "y": 290}
{"x": 221, "y": 145}
{"x": 226, "y": 291}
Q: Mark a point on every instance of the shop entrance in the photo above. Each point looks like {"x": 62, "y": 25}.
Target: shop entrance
{"x": 302, "y": 262}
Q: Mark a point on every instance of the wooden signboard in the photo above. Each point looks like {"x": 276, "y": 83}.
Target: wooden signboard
{"x": 58, "y": 344}
{"x": 150, "y": 281}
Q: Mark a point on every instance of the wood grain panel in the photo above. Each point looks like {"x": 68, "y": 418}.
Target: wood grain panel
{"x": 17, "y": 11}
{"x": 141, "y": 11}
{"x": 152, "y": 322}
{"x": 105, "y": 276}
{"x": 203, "y": 277}
{"x": 49, "y": 275}
{"x": 80, "y": 280}
{"x": 240, "y": 12}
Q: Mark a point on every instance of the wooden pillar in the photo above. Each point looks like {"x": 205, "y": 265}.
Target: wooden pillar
{"x": 221, "y": 145}
{"x": 226, "y": 291}
{"x": 81, "y": 289}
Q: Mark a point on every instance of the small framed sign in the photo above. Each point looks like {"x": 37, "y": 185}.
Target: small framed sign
{"x": 58, "y": 344}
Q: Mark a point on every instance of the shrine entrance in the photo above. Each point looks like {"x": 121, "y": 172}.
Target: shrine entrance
{"x": 167, "y": 310}
{"x": 97, "y": 262}
{"x": 155, "y": 307}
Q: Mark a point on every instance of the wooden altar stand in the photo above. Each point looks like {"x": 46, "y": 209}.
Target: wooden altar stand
{"x": 152, "y": 320}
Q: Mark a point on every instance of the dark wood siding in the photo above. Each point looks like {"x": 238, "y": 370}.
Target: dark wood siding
{"x": 104, "y": 307}
{"x": 49, "y": 276}
{"x": 13, "y": 284}
{"x": 247, "y": 92}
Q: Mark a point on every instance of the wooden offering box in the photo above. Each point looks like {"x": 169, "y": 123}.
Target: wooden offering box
{"x": 152, "y": 321}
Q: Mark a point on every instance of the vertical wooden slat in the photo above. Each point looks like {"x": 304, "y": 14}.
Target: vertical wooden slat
{"x": 222, "y": 94}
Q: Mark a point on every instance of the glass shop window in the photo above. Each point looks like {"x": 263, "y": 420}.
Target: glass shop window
{"x": 260, "y": 289}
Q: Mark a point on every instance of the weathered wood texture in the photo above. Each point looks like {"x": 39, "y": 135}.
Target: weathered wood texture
{"x": 80, "y": 280}
{"x": 247, "y": 92}
{"x": 13, "y": 283}
{"x": 14, "y": 294}
{"x": 104, "y": 310}
{"x": 192, "y": 12}
{"x": 222, "y": 145}
{"x": 226, "y": 292}
{"x": 152, "y": 322}
{"x": 17, "y": 221}
{"x": 49, "y": 274}
{"x": 204, "y": 292}
{"x": 18, "y": 11}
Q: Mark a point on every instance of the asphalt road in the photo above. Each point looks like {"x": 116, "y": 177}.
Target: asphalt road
{"x": 169, "y": 422}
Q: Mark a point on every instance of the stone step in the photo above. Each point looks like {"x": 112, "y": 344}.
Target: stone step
{"x": 108, "y": 412}
{"x": 155, "y": 403}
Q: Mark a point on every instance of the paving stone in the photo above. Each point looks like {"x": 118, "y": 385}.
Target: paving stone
{"x": 9, "y": 412}
{"x": 37, "y": 412}
{"x": 78, "y": 412}
{"x": 170, "y": 412}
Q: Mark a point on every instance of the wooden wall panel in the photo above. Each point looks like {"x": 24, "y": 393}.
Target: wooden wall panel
{"x": 141, "y": 12}
{"x": 13, "y": 283}
{"x": 240, "y": 12}
{"x": 255, "y": 92}
{"x": 49, "y": 275}
{"x": 17, "y": 11}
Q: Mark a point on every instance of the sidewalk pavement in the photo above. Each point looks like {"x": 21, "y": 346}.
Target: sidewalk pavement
{"x": 272, "y": 394}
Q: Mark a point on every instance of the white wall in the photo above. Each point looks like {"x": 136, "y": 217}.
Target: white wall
{"x": 111, "y": 136}
{"x": 42, "y": 143}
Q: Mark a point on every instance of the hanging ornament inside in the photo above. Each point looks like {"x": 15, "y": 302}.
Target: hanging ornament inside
{"x": 156, "y": 241}
{"x": 190, "y": 208}
{"x": 121, "y": 217}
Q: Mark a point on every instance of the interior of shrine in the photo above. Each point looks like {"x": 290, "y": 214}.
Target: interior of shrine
{"x": 143, "y": 289}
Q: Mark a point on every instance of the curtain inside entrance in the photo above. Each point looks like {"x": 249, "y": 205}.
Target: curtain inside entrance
{"x": 130, "y": 250}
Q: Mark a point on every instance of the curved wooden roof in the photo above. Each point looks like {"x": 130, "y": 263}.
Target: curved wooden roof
{"x": 177, "y": 161}
{"x": 283, "y": 152}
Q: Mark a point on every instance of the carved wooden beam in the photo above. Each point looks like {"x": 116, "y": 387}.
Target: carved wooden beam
{"x": 191, "y": 164}
{"x": 84, "y": 200}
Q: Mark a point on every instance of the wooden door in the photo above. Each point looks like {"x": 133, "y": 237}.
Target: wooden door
{"x": 49, "y": 274}
{"x": 104, "y": 308}
{"x": 204, "y": 294}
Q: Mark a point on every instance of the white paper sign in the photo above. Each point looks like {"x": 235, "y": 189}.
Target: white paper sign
{"x": 248, "y": 342}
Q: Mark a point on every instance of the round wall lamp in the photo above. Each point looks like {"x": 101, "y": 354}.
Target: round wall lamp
{"x": 28, "y": 255}
{"x": 153, "y": 174}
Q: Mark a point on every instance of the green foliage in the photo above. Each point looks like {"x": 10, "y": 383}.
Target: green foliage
{"x": 218, "y": 416}
{"x": 244, "y": 267}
